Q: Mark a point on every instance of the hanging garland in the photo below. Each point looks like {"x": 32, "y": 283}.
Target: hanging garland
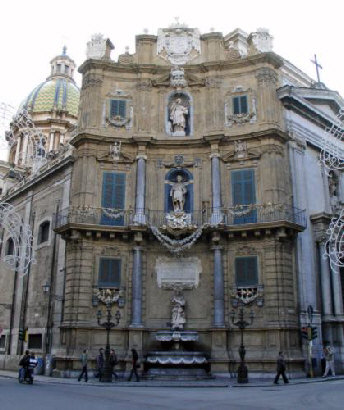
{"x": 113, "y": 213}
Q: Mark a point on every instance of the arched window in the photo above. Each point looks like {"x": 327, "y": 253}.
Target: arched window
{"x": 9, "y": 248}
{"x": 43, "y": 232}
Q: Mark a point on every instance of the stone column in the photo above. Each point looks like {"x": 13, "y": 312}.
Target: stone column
{"x": 52, "y": 141}
{"x": 16, "y": 157}
{"x": 219, "y": 297}
{"x": 268, "y": 105}
{"x": 136, "y": 319}
{"x": 216, "y": 216}
{"x": 24, "y": 150}
{"x": 337, "y": 291}
{"x": 140, "y": 217}
{"x": 325, "y": 281}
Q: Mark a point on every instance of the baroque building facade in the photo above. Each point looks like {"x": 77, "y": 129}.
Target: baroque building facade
{"x": 186, "y": 190}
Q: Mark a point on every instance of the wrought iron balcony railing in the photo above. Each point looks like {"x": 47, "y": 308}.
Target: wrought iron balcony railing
{"x": 228, "y": 217}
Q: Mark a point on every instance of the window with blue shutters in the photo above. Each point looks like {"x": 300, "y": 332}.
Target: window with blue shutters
{"x": 246, "y": 271}
{"x": 117, "y": 108}
{"x": 113, "y": 198}
{"x": 109, "y": 275}
{"x": 240, "y": 104}
{"x": 244, "y": 193}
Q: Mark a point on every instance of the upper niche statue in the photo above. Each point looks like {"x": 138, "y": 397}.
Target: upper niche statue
{"x": 177, "y": 116}
{"x": 178, "y": 193}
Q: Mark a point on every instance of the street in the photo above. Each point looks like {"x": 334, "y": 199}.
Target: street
{"x": 57, "y": 396}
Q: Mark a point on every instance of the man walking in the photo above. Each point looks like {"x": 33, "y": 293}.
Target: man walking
{"x": 329, "y": 359}
{"x": 100, "y": 363}
{"x": 135, "y": 365}
{"x": 281, "y": 368}
{"x": 113, "y": 362}
{"x": 83, "y": 359}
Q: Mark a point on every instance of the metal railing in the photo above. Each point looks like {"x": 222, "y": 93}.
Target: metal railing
{"x": 243, "y": 215}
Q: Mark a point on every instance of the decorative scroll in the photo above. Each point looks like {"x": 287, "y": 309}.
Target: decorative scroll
{"x": 21, "y": 254}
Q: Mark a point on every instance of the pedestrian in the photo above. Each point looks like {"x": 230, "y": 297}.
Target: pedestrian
{"x": 135, "y": 365}
{"x": 100, "y": 363}
{"x": 24, "y": 363}
{"x": 329, "y": 358}
{"x": 113, "y": 362}
{"x": 83, "y": 359}
{"x": 32, "y": 363}
{"x": 281, "y": 368}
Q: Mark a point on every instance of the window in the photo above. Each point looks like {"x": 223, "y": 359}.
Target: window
{"x": 244, "y": 193}
{"x": 240, "y": 105}
{"x": 9, "y": 248}
{"x": 2, "y": 342}
{"x": 117, "y": 108}
{"x": 43, "y": 232}
{"x": 35, "y": 341}
{"x": 246, "y": 271}
{"x": 113, "y": 197}
{"x": 109, "y": 273}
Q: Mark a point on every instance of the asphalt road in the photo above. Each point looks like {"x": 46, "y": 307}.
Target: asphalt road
{"x": 49, "y": 396}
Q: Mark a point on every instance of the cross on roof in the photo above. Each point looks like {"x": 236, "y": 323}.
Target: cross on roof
{"x": 317, "y": 66}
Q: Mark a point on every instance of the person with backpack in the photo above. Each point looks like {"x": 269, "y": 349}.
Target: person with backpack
{"x": 135, "y": 365}
{"x": 329, "y": 360}
{"x": 83, "y": 359}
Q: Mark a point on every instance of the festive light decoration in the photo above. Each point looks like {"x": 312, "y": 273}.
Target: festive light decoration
{"x": 335, "y": 243}
{"x": 332, "y": 150}
{"x": 18, "y": 253}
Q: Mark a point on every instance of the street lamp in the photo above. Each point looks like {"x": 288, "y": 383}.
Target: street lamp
{"x": 241, "y": 323}
{"x": 108, "y": 325}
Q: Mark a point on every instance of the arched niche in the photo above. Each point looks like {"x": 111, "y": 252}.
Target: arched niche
{"x": 179, "y": 114}
{"x": 170, "y": 179}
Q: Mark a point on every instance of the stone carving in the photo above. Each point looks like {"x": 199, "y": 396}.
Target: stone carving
{"x": 260, "y": 41}
{"x": 118, "y": 121}
{"x": 178, "y": 44}
{"x": 178, "y": 193}
{"x": 178, "y": 160}
{"x": 98, "y": 48}
{"x": 240, "y": 149}
{"x": 177, "y": 77}
{"x": 239, "y": 119}
{"x": 181, "y": 273}
{"x": 177, "y": 313}
{"x": 178, "y": 110}
{"x": 115, "y": 150}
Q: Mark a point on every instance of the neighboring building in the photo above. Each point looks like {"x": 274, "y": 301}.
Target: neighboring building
{"x": 191, "y": 173}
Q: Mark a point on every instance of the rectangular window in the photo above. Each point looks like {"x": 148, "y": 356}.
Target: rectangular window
{"x": 240, "y": 105}
{"x": 117, "y": 108}
{"x": 113, "y": 198}
{"x": 244, "y": 193}
{"x": 246, "y": 271}
{"x": 2, "y": 342}
{"x": 109, "y": 273}
{"x": 35, "y": 341}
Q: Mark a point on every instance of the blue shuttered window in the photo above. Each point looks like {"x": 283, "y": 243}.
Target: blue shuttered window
{"x": 246, "y": 271}
{"x": 244, "y": 193}
{"x": 117, "y": 108}
{"x": 113, "y": 197}
{"x": 240, "y": 105}
{"x": 109, "y": 273}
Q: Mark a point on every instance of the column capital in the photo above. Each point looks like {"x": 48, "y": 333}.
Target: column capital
{"x": 141, "y": 156}
{"x": 217, "y": 248}
{"x": 137, "y": 248}
{"x": 214, "y": 155}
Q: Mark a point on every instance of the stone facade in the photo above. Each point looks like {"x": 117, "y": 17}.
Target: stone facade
{"x": 203, "y": 107}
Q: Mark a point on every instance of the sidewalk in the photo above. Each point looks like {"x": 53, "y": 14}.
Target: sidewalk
{"x": 219, "y": 382}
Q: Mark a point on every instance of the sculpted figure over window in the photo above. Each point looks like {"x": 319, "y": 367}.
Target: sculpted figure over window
{"x": 178, "y": 193}
{"x": 178, "y": 113}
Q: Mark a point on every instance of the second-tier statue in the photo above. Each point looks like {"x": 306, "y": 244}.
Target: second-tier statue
{"x": 178, "y": 193}
{"x": 178, "y": 113}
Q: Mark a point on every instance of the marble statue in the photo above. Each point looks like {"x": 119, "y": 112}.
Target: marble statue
{"x": 178, "y": 113}
{"x": 178, "y": 193}
{"x": 178, "y": 314}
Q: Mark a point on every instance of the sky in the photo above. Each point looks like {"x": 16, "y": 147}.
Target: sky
{"x": 33, "y": 32}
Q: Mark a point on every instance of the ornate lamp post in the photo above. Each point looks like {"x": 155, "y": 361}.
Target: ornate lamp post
{"x": 108, "y": 325}
{"x": 241, "y": 323}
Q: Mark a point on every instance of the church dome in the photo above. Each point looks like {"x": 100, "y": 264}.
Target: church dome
{"x": 58, "y": 92}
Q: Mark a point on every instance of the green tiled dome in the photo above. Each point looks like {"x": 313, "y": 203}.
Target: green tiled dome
{"x": 57, "y": 93}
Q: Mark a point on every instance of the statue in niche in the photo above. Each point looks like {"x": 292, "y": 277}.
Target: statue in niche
{"x": 178, "y": 314}
{"x": 178, "y": 112}
{"x": 178, "y": 193}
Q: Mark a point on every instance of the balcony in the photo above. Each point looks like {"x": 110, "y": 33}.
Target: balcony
{"x": 239, "y": 219}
